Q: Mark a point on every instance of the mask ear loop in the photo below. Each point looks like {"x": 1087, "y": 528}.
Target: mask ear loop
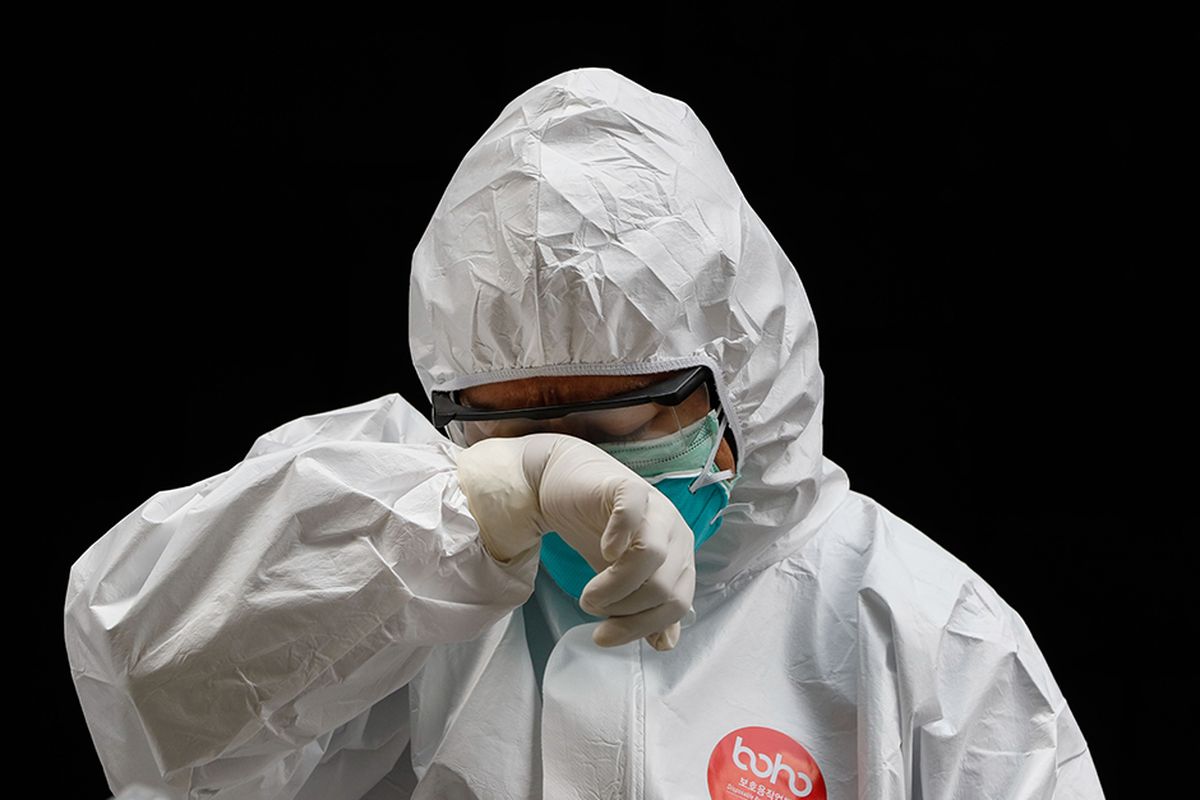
{"x": 706, "y": 477}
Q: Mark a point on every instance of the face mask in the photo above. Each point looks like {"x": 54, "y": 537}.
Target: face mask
{"x": 681, "y": 467}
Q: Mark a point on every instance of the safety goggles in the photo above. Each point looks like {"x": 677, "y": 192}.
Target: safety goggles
{"x": 654, "y": 411}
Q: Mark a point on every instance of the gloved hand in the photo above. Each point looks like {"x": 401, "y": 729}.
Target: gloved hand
{"x": 519, "y": 488}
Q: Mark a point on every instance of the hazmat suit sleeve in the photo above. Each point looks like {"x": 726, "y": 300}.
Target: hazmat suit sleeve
{"x": 226, "y": 636}
{"x": 1005, "y": 729}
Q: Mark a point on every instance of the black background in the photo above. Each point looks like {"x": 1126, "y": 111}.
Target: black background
{"x": 237, "y": 213}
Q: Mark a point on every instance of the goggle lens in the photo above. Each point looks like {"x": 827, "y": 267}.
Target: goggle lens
{"x": 610, "y": 425}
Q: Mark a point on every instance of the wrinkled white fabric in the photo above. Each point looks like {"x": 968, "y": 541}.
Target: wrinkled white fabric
{"x": 321, "y": 621}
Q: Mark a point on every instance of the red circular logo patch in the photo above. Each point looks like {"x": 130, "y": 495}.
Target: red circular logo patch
{"x": 756, "y": 762}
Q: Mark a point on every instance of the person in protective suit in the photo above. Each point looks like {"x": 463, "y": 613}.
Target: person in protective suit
{"x": 618, "y": 565}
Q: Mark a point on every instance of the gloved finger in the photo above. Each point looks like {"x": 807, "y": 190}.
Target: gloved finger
{"x": 669, "y": 580}
{"x": 616, "y": 631}
{"x": 630, "y": 498}
{"x": 647, "y": 551}
{"x": 666, "y": 639}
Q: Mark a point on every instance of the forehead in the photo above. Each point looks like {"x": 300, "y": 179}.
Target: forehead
{"x": 553, "y": 390}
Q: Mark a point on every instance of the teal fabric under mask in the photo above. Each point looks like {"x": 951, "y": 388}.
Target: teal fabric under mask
{"x": 673, "y": 464}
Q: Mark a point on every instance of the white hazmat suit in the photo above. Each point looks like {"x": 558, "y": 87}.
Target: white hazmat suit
{"x": 320, "y": 621}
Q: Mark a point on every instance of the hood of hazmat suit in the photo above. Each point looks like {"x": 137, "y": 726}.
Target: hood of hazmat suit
{"x": 321, "y": 620}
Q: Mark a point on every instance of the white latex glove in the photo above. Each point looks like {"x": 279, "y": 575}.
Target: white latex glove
{"x": 519, "y": 488}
